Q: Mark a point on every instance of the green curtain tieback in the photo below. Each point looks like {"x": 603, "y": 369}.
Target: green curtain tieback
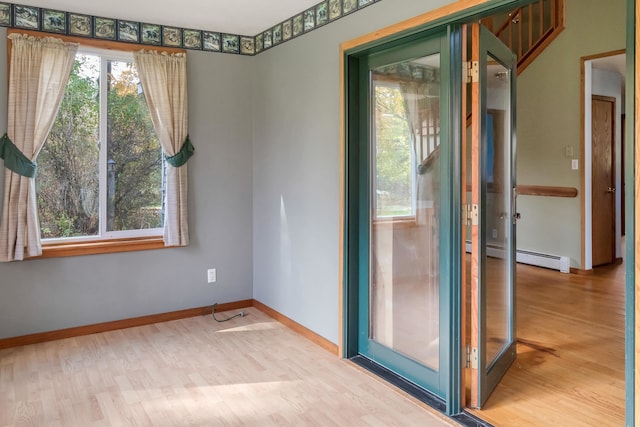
{"x": 183, "y": 155}
{"x": 14, "y": 159}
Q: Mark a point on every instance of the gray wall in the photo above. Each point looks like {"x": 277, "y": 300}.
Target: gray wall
{"x": 43, "y": 295}
{"x": 296, "y": 195}
{"x": 265, "y": 197}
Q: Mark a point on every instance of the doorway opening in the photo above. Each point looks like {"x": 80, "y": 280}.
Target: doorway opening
{"x": 553, "y": 346}
{"x": 565, "y": 322}
{"x": 603, "y": 185}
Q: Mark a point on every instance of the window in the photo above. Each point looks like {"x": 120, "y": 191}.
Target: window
{"x": 90, "y": 190}
{"x": 395, "y": 171}
{"x": 406, "y": 131}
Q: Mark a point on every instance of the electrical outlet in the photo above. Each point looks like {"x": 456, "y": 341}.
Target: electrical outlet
{"x": 211, "y": 275}
{"x": 494, "y": 233}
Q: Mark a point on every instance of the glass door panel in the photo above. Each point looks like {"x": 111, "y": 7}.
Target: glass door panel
{"x": 405, "y": 176}
{"x": 405, "y": 210}
{"x": 498, "y": 213}
{"x": 492, "y": 213}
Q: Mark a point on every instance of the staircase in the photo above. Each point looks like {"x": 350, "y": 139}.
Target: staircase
{"x": 529, "y": 29}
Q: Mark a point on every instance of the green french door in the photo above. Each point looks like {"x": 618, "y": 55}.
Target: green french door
{"x": 405, "y": 211}
{"x": 491, "y": 337}
{"x": 405, "y": 198}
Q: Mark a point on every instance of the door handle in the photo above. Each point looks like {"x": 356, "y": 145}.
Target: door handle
{"x": 515, "y": 215}
{"x": 503, "y": 215}
{"x": 611, "y": 190}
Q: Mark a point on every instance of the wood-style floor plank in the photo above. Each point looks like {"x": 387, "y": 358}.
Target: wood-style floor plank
{"x": 569, "y": 369}
{"x": 254, "y": 371}
{"x": 251, "y": 371}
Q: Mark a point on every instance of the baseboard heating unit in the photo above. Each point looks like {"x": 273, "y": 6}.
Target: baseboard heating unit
{"x": 553, "y": 262}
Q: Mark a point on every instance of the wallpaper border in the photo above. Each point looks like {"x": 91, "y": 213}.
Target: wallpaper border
{"x": 104, "y": 28}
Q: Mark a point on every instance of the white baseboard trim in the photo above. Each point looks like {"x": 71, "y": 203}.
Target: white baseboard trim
{"x": 554, "y": 262}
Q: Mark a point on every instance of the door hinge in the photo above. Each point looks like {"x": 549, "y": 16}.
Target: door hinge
{"x": 471, "y": 72}
{"x": 470, "y": 215}
{"x": 472, "y": 358}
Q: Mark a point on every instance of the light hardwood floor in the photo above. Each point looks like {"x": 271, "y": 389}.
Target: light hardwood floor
{"x": 254, "y": 371}
{"x": 569, "y": 369}
{"x": 250, "y": 371}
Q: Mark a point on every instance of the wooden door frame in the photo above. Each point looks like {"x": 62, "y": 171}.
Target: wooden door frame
{"x": 465, "y": 9}
{"x": 585, "y": 225}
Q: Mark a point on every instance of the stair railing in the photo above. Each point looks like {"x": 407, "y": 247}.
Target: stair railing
{"x": 529, "y": 29}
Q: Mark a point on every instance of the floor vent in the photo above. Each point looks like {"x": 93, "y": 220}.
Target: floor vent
{"x": 553, "y": 262}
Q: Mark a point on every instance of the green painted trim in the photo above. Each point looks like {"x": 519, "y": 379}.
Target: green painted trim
{"x": 351, "y": 190}
{"x": 358, "y": 164}
{"x": 363, "y": 197}
{"x": 630, "y": 211}
{"x": 450, "y": 228}
{"x": 455, "y": 388}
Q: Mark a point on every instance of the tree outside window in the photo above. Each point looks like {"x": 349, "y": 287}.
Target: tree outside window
{"x": 84, "y": 188}
{"x": 394, "y": 156}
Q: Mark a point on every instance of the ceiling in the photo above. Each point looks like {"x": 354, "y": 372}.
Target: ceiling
{"x": 616, "y": 63}
{"x": 244, "y": 17}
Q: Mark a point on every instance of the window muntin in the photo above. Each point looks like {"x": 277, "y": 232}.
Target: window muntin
{"x": 87, "y": 190}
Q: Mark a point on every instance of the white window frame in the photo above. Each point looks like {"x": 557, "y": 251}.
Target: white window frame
{"x": 103, "y": 234}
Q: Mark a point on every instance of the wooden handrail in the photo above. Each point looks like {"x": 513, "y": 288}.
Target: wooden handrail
{"x": 538, "y": 190}
{"x": 541, "y": 190}
{"x": 535, "y": 45}
{"x": 526, "y": 53}
{"x": 508, "y": 22}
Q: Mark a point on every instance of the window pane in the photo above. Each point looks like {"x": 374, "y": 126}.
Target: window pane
{"x": 67, "y": 180}
{"x": 394, "y": 160}
{"x": 134, "y": 157}
{"x": 498, "y": 205}
{"x": 404, "y": 285}
{"x": 77, "y": 174}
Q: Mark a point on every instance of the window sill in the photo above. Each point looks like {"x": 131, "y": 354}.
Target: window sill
{"x": 57, "y": 250}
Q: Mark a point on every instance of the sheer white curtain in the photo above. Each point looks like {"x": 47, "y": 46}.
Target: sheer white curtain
{"x": 38, "y": 75}
{"x": 414, "y": 96}
{"x": 164, "y": 82}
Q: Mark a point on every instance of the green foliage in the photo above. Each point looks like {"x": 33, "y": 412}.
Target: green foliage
{"x": 65, "y": 225}
{"x": 67, "y": 184}
{"x": 67, "y": 180}
{"x": 393, "y": 153}
{"x": 134, "y": 146}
